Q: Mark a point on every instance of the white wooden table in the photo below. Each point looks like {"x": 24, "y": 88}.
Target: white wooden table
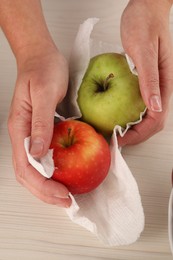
{"x": 30, "y": 229}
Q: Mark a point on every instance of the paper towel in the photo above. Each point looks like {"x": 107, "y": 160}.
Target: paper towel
{"x": 113, "y": 211}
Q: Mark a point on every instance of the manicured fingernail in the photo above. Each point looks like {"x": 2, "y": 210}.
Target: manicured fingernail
{"x": 37, "y": 147}
{"x": 155, "y": 103}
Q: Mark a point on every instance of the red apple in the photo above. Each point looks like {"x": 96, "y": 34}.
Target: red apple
{"x": 81, "y": 156}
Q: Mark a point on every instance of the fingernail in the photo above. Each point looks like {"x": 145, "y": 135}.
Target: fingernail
{"x": 66, "y": 196}
{"x": 37, "y": 146}
{"x": 155, "y": 103}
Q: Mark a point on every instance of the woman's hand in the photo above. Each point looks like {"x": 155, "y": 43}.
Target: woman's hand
{"x": 41, "y": 84}
{"x": 146, "y": 39}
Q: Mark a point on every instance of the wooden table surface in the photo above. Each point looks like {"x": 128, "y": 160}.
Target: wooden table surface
{"x": 30, "y": 229}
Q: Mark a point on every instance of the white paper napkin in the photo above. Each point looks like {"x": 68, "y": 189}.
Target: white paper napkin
{"x": 45, "y": 165}
{"x": 113, "y": 211}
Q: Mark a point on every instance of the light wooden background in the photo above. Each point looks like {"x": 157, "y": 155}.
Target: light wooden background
{"x": 30, "y": 229}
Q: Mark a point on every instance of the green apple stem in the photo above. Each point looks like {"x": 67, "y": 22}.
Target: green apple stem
{"x": 105, "y": 83}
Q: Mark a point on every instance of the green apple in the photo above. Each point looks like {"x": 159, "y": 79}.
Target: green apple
{"x": 109, "y": 94}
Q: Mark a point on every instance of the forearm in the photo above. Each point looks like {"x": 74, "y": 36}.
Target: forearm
{"x": 163, "y": 3}
{"x": 158, "y": 9}
{"x": 23, "y": 24}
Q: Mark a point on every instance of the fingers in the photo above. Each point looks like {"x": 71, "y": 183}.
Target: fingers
{"x": 143, "y": 48}
{"x": 150, "y": 125}
{"x": 46, "y": 91}
{"x": 146, "y": 39}
{"x": 145, "y": 59}
{"x": 41, "y": 84}
{"x": 46, "y": 190}
{"x": 43, "y": 109}
{"x": 153, "y": 122}
{"x": 146, "y": 62}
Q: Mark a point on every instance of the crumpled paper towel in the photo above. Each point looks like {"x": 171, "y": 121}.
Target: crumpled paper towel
{"x": 113, "y": 211}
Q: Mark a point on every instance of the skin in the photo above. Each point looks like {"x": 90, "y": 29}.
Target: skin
{"x": 146, "y": 39}
{"x": 43, "y": 76}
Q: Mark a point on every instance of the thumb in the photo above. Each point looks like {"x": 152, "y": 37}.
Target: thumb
{"x": 148, "y": 73}
{"x": 42, "y": 127}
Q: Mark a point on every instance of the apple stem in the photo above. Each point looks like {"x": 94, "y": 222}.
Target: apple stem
{"x": 69, "y": 137}
{"x": 105, "y": 83}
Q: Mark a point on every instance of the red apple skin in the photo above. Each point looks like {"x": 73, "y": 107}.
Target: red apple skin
{"x": 81, "y": 156}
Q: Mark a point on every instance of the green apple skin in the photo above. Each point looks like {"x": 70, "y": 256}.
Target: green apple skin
{"x": 118, "y": 102}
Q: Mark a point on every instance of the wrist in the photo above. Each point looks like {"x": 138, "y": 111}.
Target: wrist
{"x": 34, "y": 49}
{"x": 32, "y": 42}
{"x": 35, "y": 54}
